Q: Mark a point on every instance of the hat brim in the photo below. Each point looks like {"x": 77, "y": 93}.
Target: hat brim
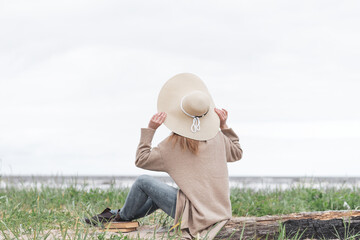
{"x": 169, "y": 101}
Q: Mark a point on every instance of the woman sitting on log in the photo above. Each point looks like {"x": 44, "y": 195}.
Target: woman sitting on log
{"x": 195, "y": 156}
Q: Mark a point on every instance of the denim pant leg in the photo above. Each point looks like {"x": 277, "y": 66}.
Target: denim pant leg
{"x": 146, "y": 195}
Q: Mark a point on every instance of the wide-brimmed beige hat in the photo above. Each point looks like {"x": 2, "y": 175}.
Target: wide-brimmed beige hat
{"x": 189, "y": 107}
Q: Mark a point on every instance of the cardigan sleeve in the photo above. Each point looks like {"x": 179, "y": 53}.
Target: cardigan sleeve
{"x": 147, "y": 157}
{"x": 232, "y": 146}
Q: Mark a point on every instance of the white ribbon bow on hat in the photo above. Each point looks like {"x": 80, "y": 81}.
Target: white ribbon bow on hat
{"x": 195, "y": 127}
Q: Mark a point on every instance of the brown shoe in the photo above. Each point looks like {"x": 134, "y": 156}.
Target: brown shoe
{"x": 105, "y": 216}
{"x": 118, "y": 218}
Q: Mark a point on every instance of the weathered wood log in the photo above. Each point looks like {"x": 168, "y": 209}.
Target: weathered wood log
{"x": 313, "y": 225}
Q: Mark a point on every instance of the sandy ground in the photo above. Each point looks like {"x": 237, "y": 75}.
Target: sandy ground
{"x": 143, "y": 232}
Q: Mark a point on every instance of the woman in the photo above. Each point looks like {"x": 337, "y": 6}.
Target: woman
{"x": 195, "y": 156}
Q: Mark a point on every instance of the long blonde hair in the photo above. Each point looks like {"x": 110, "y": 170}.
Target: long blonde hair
{"x": 185, "y": 143}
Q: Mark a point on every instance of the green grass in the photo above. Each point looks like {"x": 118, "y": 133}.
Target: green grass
{"x": 55, "y": 213}
{"x": 296, "y": 199}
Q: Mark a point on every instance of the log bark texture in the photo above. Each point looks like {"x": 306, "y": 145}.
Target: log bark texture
{"x": 310, "y": 225}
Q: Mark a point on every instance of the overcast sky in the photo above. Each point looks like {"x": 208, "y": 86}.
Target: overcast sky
{"x": 78, "y": 79}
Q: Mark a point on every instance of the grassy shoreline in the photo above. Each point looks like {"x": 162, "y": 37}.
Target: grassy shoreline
{"x": 33, "y": 212}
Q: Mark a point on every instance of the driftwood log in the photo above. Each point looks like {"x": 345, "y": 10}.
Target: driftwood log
{"x": 310, "y": 225}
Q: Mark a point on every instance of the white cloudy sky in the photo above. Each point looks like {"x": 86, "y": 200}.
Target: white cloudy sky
{"x": 78, "y": 79}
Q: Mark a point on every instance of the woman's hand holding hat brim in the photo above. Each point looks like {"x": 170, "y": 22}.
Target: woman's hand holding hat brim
{"x": 157, "y": 120}
{"x": 223, "y": 115}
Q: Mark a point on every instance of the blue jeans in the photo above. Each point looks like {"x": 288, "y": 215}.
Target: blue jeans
{"x": 146, "y": 195}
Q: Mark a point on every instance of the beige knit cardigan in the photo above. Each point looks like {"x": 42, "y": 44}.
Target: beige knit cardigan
{"x": 203, "y": 197}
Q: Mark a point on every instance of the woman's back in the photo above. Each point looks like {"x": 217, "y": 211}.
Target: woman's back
{"x": 203, "y": 198}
